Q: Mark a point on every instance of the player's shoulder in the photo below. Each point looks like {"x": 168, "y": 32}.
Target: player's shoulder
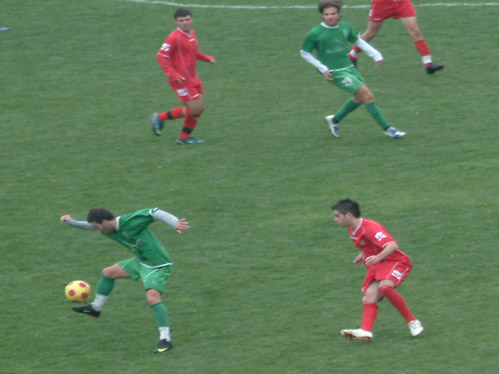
{"x": 173, "y": 35}
{"x": 371, "y": 225}
{"x": 138, "y": 213}
{"x": 317, "y": 29}
{"x": 342, "y": 23}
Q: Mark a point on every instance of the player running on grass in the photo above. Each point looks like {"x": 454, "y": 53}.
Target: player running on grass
{"x": 330, "y": 42}
{"x": 387, "y": 267}
{"x": 151, "y": 263}
{"x": 177, "y": 57}
{"x": 380, "y": 11}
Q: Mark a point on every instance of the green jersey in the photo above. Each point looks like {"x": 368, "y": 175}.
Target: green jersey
{"x": 331, "y": 44}
{"x": 134, "y": 233}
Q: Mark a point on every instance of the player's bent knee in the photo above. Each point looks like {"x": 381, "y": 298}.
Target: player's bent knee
{"x": 114, "y": 272}
{"x": 108, "y": 272}
{"x": 197, "y": 112}
{"x": 153, "y": 297}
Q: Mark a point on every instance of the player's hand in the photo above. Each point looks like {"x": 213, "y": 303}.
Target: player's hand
{"x": 211, "y": 60}
{"x": 180, "y": 80}
{"x": 65, "y": 218}
{"x": 379, "y": 62}
{"x": 182, "y": 225}
{"x": 372, "y": 260}
{"x": 328, "y": 75}
{"x": 359, "y": 261}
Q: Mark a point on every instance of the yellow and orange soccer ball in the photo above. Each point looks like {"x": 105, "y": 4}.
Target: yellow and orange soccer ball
{"x": 77, "y": 291}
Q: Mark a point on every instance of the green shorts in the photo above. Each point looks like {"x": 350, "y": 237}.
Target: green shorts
{"x": 348, "y": 80}
{"x": 153, "y": 278}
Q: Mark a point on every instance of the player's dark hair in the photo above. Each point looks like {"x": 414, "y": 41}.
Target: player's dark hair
{"x": 347, "y": 206}
{"x": 98, "y": 215}
{"x": 182, "y": 12}
{"x": 329, "y": 4}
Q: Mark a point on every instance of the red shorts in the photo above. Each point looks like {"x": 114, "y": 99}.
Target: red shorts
{"x": 381, "y": 11}
{"x": 187, "y": 93}
{"x": 395, "y": 271}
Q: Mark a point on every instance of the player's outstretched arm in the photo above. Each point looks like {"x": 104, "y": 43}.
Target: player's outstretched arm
{"x": 205, "y": 58}
{"x": 80, "y": 224}
{"x": 311, "y": 59}
{"x": 370, "y": 51}
{"x": 179, "y": 225}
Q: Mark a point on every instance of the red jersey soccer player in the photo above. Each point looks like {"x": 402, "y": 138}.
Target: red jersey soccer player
{"x": 177, "y": 57}
{"x": 387, "y": 267}
{"x": 380, "y": 11}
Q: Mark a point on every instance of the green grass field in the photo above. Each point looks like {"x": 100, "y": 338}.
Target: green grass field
{"x": 263, "y": 281}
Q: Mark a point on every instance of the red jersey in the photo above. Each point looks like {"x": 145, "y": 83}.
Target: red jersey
{"x": 390, "y": 1}
{"x": 178, "y": 55}
{"x": 371, "y": 238}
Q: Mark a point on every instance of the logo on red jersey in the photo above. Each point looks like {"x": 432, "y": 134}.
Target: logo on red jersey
{"x": 380, "y": 236}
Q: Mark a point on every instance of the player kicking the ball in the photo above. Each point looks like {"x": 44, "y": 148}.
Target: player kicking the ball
{"x": 177, "y": 57}
{"x": 151, "y": 263}
{"x": 387, "y": 267}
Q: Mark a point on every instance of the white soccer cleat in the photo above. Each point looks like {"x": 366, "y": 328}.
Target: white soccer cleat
{"x": 416, "y": 327}
{"x": 357, "y": 334}
{"x": 392, "y": 132}
{"x": 334, "y": 126}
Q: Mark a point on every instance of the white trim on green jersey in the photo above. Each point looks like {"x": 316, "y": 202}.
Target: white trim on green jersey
{"x": 157, "y": 266}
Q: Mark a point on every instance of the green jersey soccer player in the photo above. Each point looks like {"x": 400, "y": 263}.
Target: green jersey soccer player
{"x": 330, "y": 41}
{"x": 151, "y": 263}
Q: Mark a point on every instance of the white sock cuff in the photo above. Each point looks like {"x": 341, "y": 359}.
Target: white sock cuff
{"x": 164, "y": 333}
{"x": 99, "y": 302}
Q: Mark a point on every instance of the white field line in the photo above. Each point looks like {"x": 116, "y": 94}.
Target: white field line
{"x": 171, "y": 3}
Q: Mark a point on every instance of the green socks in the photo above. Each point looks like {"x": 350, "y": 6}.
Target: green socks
{"x": 105, "y": 286}
{"x": 374, "y": 111}
{"x": 372, "y": 108}
{"x": 349, "y": 107}
{"x": 161, "y": 314}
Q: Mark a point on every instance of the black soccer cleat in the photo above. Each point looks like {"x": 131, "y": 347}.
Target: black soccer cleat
{"x": 163, "y": 346}
{"x": 433, "y": 68}
{"x": 87, "y": 309}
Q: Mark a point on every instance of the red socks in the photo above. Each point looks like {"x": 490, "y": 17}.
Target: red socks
{"x": 369, "y": 316}
{"x": 398, "y": 302}
{"x": 371, "y": 309}
{"x": 424, "y": 51}
{"x": 189, "y": 126}
{"x": 179, "y": 112}
{"x": 190, "y": 121}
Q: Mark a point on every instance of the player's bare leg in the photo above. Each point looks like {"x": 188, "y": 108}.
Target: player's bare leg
{"x": 411, "y": 24}
{"x": 196, "y": 108}
{"x": 104, "y": 288}
{"x": 370, "y": 311}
